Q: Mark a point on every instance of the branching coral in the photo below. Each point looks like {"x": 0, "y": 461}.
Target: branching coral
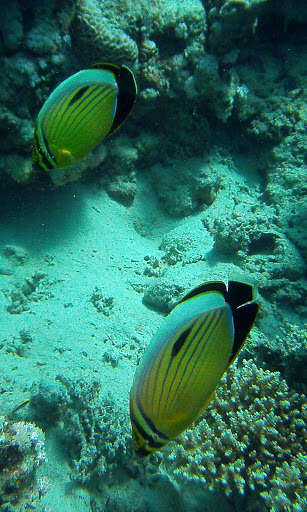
{"x": 250, "y": 444}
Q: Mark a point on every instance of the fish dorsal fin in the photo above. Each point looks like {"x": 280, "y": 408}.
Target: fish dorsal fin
{"x": 244, "y": 311}
{"x": 216, "y": 286}
{"x": 106, "y": 66}
{"x": 127, "y": 91}
{"x": 114, "y": 69}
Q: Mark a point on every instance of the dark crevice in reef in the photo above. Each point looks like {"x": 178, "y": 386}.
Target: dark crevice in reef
{"x": 276, "y": 28}
{"x": 169, "y": 44}
{"x": 9, "y": 455}
{"x": 266, "y": 244}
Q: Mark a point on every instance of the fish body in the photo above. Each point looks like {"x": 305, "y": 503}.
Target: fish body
{"x": 78, "y": 115}
{"x": 185, "y": 360}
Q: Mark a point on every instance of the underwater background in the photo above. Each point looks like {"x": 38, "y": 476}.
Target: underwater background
{"x": 205, "y": 181}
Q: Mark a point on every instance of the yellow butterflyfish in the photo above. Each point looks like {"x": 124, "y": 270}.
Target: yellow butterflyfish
{"x": 82, "y": 110}
{"x": 186, "y": 359}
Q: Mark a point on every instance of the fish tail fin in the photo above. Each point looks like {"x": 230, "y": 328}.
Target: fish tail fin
{"x": 239, "y": 293}
{"x": 127, "y": 92}
{"x": 240, "y": 297}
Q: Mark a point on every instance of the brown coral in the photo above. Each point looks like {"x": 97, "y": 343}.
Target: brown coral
{"x": 97, "y": 38}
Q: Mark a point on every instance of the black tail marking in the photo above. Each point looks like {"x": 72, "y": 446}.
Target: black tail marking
{"x": 239, "y": 294}
{"x": 243, "y": 319}
{"x": 127, "y": 92}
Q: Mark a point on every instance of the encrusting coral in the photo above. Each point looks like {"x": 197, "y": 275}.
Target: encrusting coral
{"x": 93, "y": 431}
{"x": 94, "y": 35}
{"x": 287, "y": 353}
{"x": 250, "y": 444}
{"x": 22, "y": 451}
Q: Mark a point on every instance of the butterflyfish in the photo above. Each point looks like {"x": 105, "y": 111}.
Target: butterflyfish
{"x": 81, "y": 111}
{"x": 185, "y": 360}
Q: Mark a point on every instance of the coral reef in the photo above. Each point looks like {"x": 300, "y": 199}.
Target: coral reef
{"x": 31, "y": 55}
{"x": 286, "y": 353}
{"x": 119, "y": 178}
{"x": 95, "y": 435}
{"x": 96, "y": 35}
{"x": 188, "y": 243}
{"x": 12, "y": 26}
{"x": 185, "y": 188}
{"x": 22, "y": 452}
{"x": 234, "y": 24}
{"x": 208, "y": 86}
{"x": 251, "y": 234}
{"x": 49, "y": 25}
{"x": 20, "y": 345}
{"x": 31, "y": 289}
{"x": 101, "y": 302}
{"x": 93, "y": 431}
{"x": 227, "y": 76}
{"x": 16, "y": 255}
{"x": 122, "y": 188}
{"x": 151, "y": 39}
{"x": 75, "y": 172}
{"x": 249, "y": 444}
{"x": 284, "y": 181}
{"x": 162, "y": 295}
{"x": 218, "y": 134}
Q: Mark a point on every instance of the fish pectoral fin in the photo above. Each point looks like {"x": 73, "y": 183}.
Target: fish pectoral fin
{"x": 65, "y": 154}
{"x": 177, "y": 418}
{"x": 64, "y": 157}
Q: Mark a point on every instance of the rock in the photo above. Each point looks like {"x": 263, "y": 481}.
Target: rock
{"x": 162, "y": 295}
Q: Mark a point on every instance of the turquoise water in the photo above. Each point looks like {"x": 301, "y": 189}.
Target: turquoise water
{"x": 204, "y": 181}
